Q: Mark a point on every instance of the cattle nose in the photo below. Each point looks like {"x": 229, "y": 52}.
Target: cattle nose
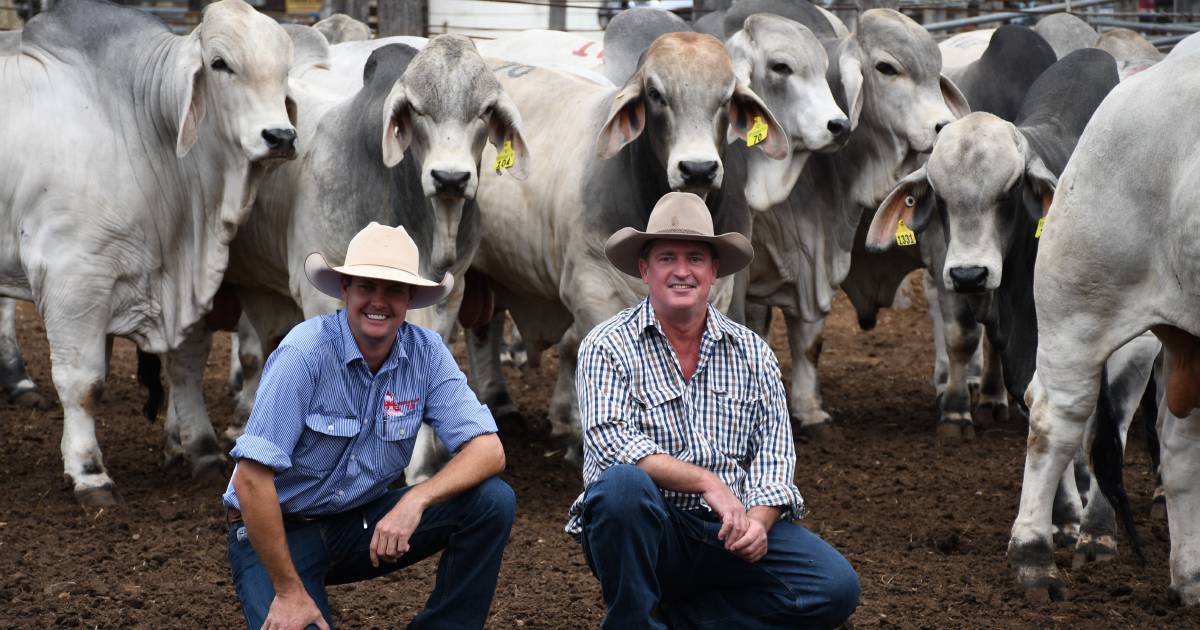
{"x": 278, "y": 139}
{"x": 839, "y": 127}
{"x": 450, "y": 181}
{"x": 698, "y": 172}
{"x": 969, "y": 279}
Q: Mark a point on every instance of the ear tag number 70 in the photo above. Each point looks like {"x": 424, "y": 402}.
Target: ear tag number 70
{"x": 757, "y": 133}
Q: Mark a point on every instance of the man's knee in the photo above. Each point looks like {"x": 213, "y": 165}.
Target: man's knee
{"x": 623, "y": 491}
{"x": 842, "y": 591}
{"x": 496, "y": 499}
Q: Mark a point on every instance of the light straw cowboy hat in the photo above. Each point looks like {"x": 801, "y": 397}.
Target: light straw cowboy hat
{"x": 382, "y": 253}
{"x": 678, "y": 216}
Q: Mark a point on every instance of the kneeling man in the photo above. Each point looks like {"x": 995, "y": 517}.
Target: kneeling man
{"x": 688, "y": 455}
{"x": 333, "y": 427}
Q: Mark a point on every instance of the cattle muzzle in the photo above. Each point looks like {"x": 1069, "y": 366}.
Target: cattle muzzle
{"x": 281, "y": 142}
{"x": 699, "y": 173}
{"x": 840, "y": 129}
{"x": 969, "y": 279}
{"x": 454, "y": 182}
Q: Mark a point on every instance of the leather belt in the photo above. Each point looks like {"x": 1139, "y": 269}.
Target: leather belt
{"x": 232, "y": 515}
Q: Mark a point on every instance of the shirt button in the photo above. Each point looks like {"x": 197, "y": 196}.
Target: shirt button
{"x": 331, "y": 427}
{"x": 341, "y": 492}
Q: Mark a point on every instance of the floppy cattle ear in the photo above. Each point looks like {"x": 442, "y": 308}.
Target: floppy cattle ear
{"x": 1039, "y": 185}
{"x": 954, "y": 98}
{"x": 397, "y": 125}
{"x": 626, "y": 119}
{"x": 910, "y": 201}
{"x": 191, "y": 110}
{"x": 747, "y": 115}
{"x": 504, "y": 125}
{"x": 850, "y": 74}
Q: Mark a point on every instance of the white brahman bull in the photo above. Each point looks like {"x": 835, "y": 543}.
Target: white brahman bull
{"x": 1119, "y": 255}
{"x": 132, "y": 156}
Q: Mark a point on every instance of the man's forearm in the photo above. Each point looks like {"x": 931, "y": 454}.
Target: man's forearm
{"x": 480, "y": 458}
{"x": 255, "y": 487}
{"x": 672, "y": 474}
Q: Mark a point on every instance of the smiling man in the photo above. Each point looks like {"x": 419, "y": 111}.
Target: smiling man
{"x": 333, "y": 427}
{"x": 685, "y": 518}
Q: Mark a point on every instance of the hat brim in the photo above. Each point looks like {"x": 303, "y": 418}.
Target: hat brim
{"x": 623, "y": 248}
{"x": 328, "y": 280}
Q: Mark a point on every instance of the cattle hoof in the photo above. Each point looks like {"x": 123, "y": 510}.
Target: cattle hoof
{"x": 821, "y": 432}
{"x": 1183, "y": 596}
{"x": 1101, "y": 548}
{"x": 1158, "y": 506}
{"x": 32, "y": 399}
{"x": 949, "y": 432}
{"x": 234, "y": 432}
{"x": 209, "y": 468}
{"x": 96, "y": 497}
{"x": 989, "y": 414}
{"x": 968, "y": 432}
{"x": 1066, "y": 535}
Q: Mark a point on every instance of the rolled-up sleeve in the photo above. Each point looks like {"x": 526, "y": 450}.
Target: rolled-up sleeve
{"x": 277, "y": 421}
{"x": 773, "y": 458}
{"x": 603, "y": 392}
{"x": 451, "y": 407}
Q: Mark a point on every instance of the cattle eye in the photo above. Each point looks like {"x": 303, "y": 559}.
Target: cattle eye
{"x": 655, "y": 96}
{"x": 886, "y": 68}
{"x": 219, "y": 65}
{"x": 781, "y": 68}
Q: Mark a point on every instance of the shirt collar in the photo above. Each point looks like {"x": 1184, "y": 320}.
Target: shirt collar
{"x": 350, "y": 350}
{"x": 716, "y": 325}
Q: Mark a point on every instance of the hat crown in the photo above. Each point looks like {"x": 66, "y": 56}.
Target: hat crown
{"x": 383, "y": 246}
{"x": 682, "y": 213}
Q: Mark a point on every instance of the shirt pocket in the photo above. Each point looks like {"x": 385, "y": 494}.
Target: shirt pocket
{"x": 734, "y": 415}
{"x": 655, "y": 413}
{"x": 397, "y": 435}
{"x": 324, "y": 441}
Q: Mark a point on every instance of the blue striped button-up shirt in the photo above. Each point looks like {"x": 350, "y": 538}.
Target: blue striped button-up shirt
{"x": 730, "y": 418}
{"x": 334, "y": 433}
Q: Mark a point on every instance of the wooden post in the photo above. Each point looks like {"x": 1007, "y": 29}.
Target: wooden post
{"x": 402, "y": 17}
{"x": 558, "y": 15}
{"x": 9, "y": 20}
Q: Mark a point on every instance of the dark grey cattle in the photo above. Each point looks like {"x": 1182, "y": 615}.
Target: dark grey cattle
{"x": 998, "y": 81}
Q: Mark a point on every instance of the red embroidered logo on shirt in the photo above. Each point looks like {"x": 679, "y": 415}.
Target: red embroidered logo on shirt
{"x": 394, "y": 408}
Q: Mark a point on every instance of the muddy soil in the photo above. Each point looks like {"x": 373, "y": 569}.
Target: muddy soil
{"x": 925, "y": 524}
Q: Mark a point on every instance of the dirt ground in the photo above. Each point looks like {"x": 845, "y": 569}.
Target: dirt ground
{"x": 924, "y": 524}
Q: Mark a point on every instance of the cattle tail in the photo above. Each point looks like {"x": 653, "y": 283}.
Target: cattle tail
{"x": 1108, "y": 461}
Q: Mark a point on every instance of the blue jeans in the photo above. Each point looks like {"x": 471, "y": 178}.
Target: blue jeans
{"x": 661, "y": 567}
{"x": 471, "y": 530}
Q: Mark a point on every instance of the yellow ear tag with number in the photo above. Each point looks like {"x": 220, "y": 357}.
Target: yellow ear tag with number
{"x": 506, "y": 157}
{"x": 904, "y": 235}
{"x": 1041, "y": 224}
{"x": 757, "y": 133}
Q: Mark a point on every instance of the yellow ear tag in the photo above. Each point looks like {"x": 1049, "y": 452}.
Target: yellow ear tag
{"x": 506, "y": 157}
{"x": 757, "y": 133}
{"x": 904, "y": 235}
{"x": 1041, "y": 224}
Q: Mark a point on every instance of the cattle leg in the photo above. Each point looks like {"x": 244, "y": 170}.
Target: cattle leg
{"x": 565, "y": 423}
{"x": 805, "y": 339}
{"x": 513, "y": 353}
{"x": 78, "y": 368}
{"x": 483, "y": 358}
{"x": 249, "y": 357}
{"x": 962, "y": 335}
{"x": 758, "y": 318}
{"x": 429, "y": 456}
{"x": 993, "y": 397}
{"x": 1181, "y": 485}
{"x": 1056, "y": 423}
{"x": 13, "y": 376}
{"x": 189, "y": 436}
{"x": 235, "y": 362}
{"x": 266, "y": 319}
{"x": 1067, "y": 512}
{"x": 1129, "y": 371}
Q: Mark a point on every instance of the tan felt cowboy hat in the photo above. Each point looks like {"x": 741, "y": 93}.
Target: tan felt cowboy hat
{"x": 382, "y": 253}
{"x": 678, "y": 216}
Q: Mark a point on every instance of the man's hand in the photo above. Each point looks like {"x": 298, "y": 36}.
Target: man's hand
{"x": 294, "y": 610}
{"x": 393, "y": 531}
{"x": 753, "y": 545}
{"x": 734, "y": 521}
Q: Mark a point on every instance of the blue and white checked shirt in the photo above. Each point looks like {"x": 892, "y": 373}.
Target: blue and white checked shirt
{"x": 731, "y": 418}
{"x": 337, "y": 435}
